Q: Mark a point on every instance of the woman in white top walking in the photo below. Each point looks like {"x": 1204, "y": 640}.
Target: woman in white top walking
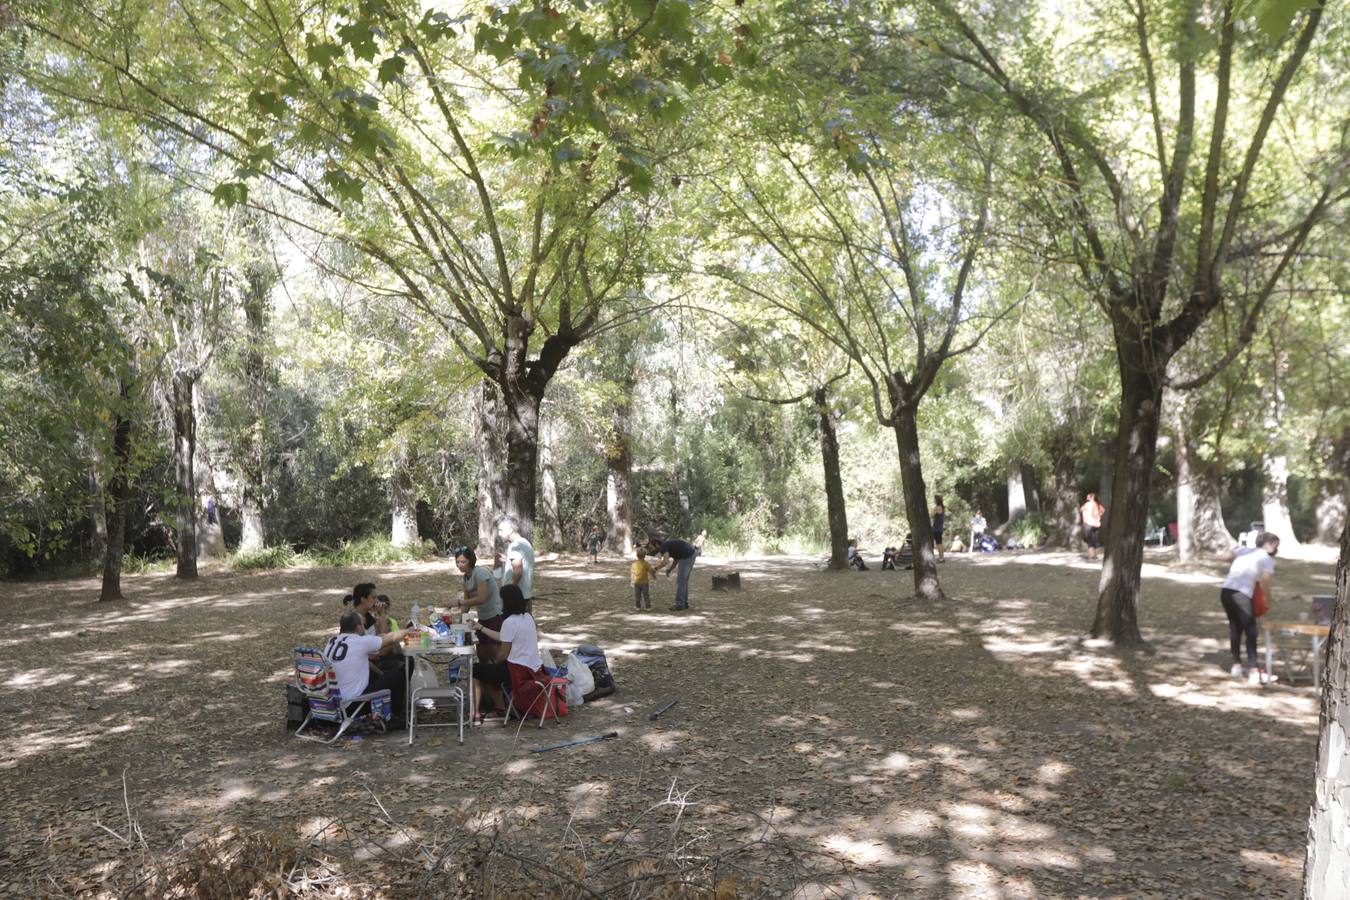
{"x": 1251, "y": 566}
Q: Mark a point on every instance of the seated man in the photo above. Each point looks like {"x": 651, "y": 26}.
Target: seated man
{"x": 349, "y": 655}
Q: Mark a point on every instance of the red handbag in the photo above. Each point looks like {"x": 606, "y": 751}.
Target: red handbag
{"x": 1260, "y": 605}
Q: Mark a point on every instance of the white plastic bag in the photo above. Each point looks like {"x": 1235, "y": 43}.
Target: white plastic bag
{"x": 547, "y": 658}
{"x": 582, "y": 681}
{"x": 423, "y": 675}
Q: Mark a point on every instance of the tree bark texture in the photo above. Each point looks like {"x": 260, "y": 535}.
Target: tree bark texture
{"x": 1017, "y": 495}
{"x": 835, "y": 509}
{"x": 491, "y": 461}
{"x": 1062, "y": 519}
{"x": 1330, "y": 513}
{"x": 1201, "y": 530}
{"x": 116, "y": 500}
{"x": 1275, "y": 497}
{"x": 677, "y": 454}
{"x": 1117, "y": 616}
{"x": 403, "y": 503}
{"x": 548, "y": 487}
{"x": 926, "y": 584}
{"x": 619, "y": 472}
{"x": 1327, "y": 869}
{"x": 519, "y": 494}
{"x": 185, "y": 477}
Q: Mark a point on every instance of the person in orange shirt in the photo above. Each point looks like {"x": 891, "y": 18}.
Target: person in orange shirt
{"x": 1090, "y": 513}
{"x": 641, "y": 579}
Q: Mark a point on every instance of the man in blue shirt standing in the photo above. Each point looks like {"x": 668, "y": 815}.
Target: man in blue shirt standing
{"x": 675, "y": 552}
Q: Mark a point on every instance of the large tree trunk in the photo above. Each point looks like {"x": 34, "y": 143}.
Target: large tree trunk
{"x": 185, "y": 478}
{"x": 548, "y": 486}
{"x": 116, "y": 500}
{"x": 1200, "y": 527}
{"x": 1327, "y": 872}
{"x": 835, "y": 510}
{"x": 1330, "y": 513}
{"x": 1117, "y": 618}
{"x": 1017, "y": 495}
{"x": 926, "y": 585}
{"x": 522, "y": 457}
{"x": 403, "y": 503}
{"x": 253, "y": 455}
{"x": 1275, "y": 497}
{"x": 491, "y": 461}
{"x": 1062, "y": 522}
{"x": 619, "y": 472}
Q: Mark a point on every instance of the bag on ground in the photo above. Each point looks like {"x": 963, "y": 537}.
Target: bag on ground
{"x": 583, "y": 682}
{"x": 594, "y": 658}
{"x": 295, "y": 707}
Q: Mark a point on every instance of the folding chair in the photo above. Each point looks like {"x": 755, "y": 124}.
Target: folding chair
{"x": 433, "y": 694}
{"x": 549, "y": 700}
{"x": 318, "y": 683}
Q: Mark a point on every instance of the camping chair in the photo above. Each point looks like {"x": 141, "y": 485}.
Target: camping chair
{"x": 457, "y": 690}
{"x": 549, "y": 699}
{"x": 318, "y": 683}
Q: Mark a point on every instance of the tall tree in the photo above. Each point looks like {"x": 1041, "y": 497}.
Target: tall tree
{"x": 1158, "y": 226}
{"x": 499, "y": 222}
{"x": 1327, "y": 873}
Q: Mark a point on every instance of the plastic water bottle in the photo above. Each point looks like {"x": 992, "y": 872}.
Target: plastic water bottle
{"x": 416, "y": 618}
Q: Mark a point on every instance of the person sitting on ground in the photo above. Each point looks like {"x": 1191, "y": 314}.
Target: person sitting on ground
{"x": 957, "y": 546}
{"x": 596, "y": 538}
{"x": 1251, "y": 567}
{"x": 855, "y": 556}
{"x": 988, "y": 543}
{"x": 481, "y": 593}
{"x": 519, "y": 641}
{"x": 349, "y": 653}
{"x": 640, "y": 577}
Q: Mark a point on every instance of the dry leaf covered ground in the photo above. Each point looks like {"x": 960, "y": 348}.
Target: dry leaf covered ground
{"x": 832, "y": 738}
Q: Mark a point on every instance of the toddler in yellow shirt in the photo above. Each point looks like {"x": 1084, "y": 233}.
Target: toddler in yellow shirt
{"x": 641, "y": 579}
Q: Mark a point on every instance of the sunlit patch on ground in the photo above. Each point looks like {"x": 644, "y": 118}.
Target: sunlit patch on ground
{"x": 977, "y": 748}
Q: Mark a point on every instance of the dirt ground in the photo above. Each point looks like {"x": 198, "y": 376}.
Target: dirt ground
{"x": 833, "y": 737}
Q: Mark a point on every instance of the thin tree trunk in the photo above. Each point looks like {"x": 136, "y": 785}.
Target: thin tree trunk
{"x": 1327, "y": 872}
{"x": 926, "y": 584}
{"x": 185, "y": 477}
{"x": 98, "y": 521}
{"x": 1108, "y": 470}
{"x": 1331, "y": 512}
{"x": 1031, "y": 488}
{"x": 116, "y": 501}
{"x": 491, "y": 460}
{"x": 1275, "y": 497}
{"x": 677, "y": 455}
{"x": 253, "y": 455}
{"x": 619, "y": 472}
{"x": 836, "y": 511}
{"x": 548, "y": 486}
{"x": 1117, "y": 618}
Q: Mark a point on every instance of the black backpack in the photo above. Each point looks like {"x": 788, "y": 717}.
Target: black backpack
{"x": 595, "y": 660}
{"x": 296, "y": 707}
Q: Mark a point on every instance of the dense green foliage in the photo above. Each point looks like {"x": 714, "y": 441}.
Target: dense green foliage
{"x": 648, "y": 227}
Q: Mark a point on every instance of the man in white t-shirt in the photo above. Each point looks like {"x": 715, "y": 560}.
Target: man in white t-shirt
{"x": 1251, "y": 566}
{"x": 519, "y": 557}
{"x": 350, "y": 652}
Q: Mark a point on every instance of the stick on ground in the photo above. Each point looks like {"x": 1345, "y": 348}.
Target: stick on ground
{"x": 578, "y": 742}
{"x": 663, "y": 709}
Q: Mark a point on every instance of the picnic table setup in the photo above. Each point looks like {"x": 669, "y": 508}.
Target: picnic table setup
{"x": 1298, "y": 645}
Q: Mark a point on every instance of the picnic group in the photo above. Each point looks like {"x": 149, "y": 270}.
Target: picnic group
{"x": 493, "y": 607}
